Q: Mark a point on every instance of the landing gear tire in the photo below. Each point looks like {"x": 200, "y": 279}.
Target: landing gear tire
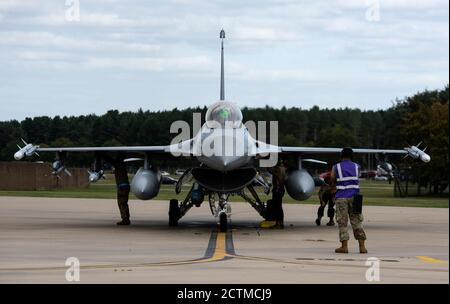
{"x": 174, "y": 213}
{"x": 223, "y": 224}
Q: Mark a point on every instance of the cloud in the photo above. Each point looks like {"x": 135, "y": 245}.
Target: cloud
{"x": 395, "y": 4}
{"x": 18, "y": 5}
{"x": 49, "y": 39}
{"x": 283, "y": 49}
{"x": 199, "y": 63}
{"x": 43, "y": 56}
{"x": 261, "y": 33}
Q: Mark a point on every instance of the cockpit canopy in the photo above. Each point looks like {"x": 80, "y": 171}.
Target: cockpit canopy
{"x": 224, "y": 114}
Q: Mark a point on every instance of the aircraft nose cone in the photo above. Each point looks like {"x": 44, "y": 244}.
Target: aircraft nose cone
{"x": 227, "y": 163}
{"x": 224, "y": 162}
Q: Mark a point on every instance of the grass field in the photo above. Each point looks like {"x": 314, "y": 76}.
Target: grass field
{"x": 376, "y": 193}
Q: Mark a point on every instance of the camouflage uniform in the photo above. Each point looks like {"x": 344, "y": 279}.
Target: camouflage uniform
{"x": 123, "y": 189}
{"x": 346, "y": 173}
{"x": 344, "y": 210}
{"x": 326, "y": 197}
{"x": 123, "y": 185}
{"x": 275, "y": 209}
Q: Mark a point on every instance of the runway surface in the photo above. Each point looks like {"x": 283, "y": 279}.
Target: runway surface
{"x": 37, "y": 235}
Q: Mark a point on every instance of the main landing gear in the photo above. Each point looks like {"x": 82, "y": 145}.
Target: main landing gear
{"x": 174, "y": 213}
{"x": 218, "y": 203}
{"x": 178, "y": 210}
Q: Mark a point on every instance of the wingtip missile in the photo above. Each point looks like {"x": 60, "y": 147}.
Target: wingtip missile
{"x": 19, "y": 155}
{"x": 27, "y": 150}
{"x": 416, "y": 153}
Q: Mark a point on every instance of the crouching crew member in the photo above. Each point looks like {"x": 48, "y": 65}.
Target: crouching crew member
{"x": 326, "y": 197}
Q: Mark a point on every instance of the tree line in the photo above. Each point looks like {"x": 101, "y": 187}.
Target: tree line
{"x": 421, "y": 117}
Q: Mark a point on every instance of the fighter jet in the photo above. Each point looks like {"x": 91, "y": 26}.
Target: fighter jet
{"x": 217, "y": 175}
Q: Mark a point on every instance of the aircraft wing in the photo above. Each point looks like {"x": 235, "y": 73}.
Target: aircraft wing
{"x": 412, "y": 151}
{"x": 30, "y": 149}
{"x": 183, "y": 148}
{"x": 160, "y": 149}
{"x": 317, "y": 150}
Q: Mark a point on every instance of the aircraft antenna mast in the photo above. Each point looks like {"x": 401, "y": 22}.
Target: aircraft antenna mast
{"x": 222, "y": 76}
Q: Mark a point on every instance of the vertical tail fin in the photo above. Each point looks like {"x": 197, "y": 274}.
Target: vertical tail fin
{"x": 222, "y": 76}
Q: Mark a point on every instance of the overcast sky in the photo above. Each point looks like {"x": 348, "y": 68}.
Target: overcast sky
{"x": 163, "y": 54}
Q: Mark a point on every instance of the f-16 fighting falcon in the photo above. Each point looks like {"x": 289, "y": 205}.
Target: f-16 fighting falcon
{"x": 215, "y": 173}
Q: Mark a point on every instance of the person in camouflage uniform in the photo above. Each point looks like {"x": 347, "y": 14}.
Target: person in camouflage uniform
{"x": 326, "y": 197}
{"x": 275, "y": 213}
{"x": 344, "y": 212}
{"x": 346, "y": 176}
{"x": 123, "y": 187}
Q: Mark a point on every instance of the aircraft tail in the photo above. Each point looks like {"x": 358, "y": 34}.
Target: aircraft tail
{"x": 222, "y": 76}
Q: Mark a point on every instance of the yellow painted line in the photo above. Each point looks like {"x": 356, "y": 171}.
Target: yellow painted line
{"x": 220, "y": 251}
{"x": 431, "y": 260}
{"x": 219, "y": 255}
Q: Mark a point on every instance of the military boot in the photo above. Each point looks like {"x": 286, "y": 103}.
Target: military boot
{"x": 124, "y": 222}
{"x": 331, "y": 223}
{"x": 343, "y": 248}
{"x": 362, "y": 247}
{"x": 124, "y": 214}
{"x": 279, "y": 225}
{"x": 318, "y": 220}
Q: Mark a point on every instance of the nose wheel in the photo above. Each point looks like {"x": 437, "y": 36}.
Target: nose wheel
{"x": 220, "y": 209}
{"x": 223, "y": 222}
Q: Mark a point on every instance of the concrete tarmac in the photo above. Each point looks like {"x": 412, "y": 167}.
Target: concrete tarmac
{"x": 37, "y": 235}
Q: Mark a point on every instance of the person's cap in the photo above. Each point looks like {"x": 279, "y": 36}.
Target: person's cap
{"x": 347, "y": 152}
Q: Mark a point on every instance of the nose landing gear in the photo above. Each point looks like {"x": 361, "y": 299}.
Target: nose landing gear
{"x": 223, "y": 222}
{"x": 218, "y": 203}
{"x": 221, "y": 209}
